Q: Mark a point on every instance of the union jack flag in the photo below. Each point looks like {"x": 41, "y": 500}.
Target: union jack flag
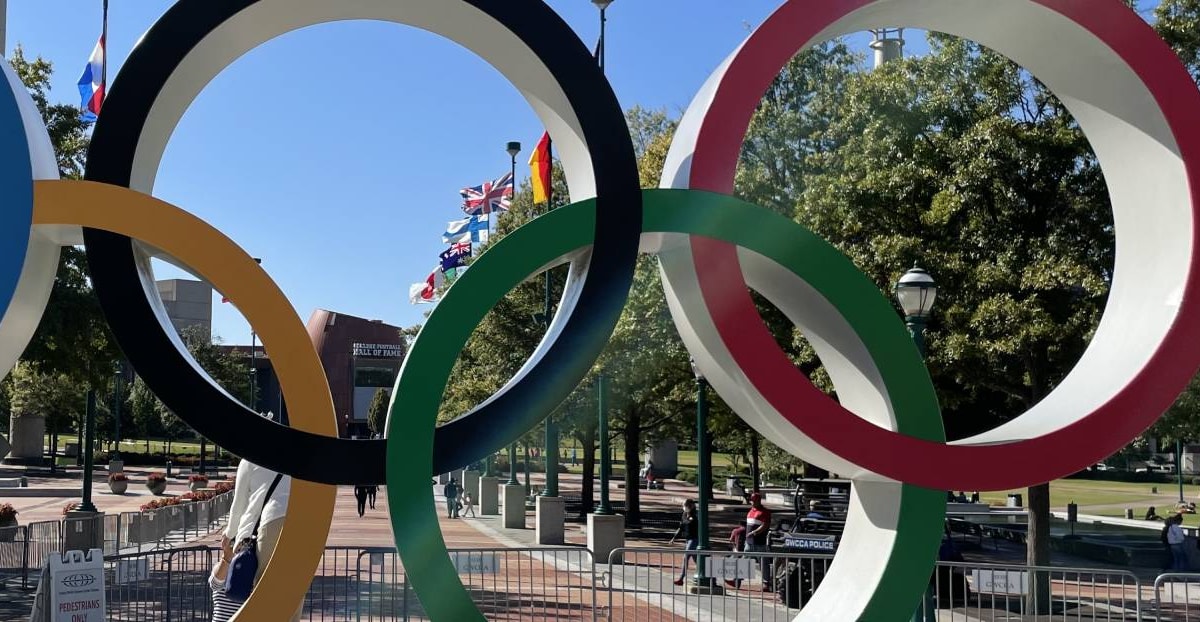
{"x": 488, "y": 197}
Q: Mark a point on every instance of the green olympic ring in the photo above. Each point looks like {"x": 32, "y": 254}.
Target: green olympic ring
{"x": 562, "y": 233}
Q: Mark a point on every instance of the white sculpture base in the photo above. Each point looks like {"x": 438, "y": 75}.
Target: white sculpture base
{"x": 514, "y": 506}
{"x": 605, "y": 533}
{"x": 551, "y": 520}
{"x": 489, "y": 496}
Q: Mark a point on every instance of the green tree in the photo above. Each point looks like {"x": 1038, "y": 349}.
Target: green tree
{"x": 72, "y": 337}
{"x": 52, "y": 395}
{"x": 229, "y": 368}
{"x": 377, "y": 412}
{"x": 1178, "y": 23}
{"x": 962, "y": 162}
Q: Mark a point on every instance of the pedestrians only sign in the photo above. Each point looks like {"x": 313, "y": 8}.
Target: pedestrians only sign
{"x": 77, "y": 586}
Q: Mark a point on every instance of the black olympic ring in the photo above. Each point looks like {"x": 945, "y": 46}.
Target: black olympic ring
{"x": 147, "y": 340}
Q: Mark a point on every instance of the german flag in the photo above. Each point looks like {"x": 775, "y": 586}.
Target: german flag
{"x": 540, "y": 166}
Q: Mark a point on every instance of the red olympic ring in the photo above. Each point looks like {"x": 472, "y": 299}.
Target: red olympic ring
{"x": 1011, "y": 462}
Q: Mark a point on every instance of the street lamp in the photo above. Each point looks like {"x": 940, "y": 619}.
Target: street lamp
{"x": 916, "y": 292}
{"x": 89, "y": 435}
{"x": 603, "y": 6}
{"x": 605, "y": 508}
{"x": 513, "y": 148}
{"x": 702, "y": 582}
{"x": 118, "y": 376}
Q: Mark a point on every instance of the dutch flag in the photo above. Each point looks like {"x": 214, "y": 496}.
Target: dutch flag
{"x": 91, "y": 84}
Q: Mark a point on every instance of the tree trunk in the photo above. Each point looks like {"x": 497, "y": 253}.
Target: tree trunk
{"x": 1037, "y": 543}
{"x": 754, "y": 473}
{"x": 1038, "y": 548}
{"x": 633, "y": 490}
{"x": 586, "y": 492}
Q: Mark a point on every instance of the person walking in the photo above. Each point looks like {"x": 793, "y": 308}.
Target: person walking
{"x": 737, "y": 544}
{"x": 468, "y": 504}
{"x": 260, "y": 500}
{"x": 1176, "y": 539}
{"x": 371, "y": 491}
{"x": 360, "y": 495}
{"x": 689, "y": 528}
{"x": 758, "y": 527}
{"x": 223, "y": 607}
{"x": 451, "y": 493}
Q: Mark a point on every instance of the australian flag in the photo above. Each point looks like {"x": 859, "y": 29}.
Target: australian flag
{"x": 456, "y": 256}
{"x": 488, "y": 197}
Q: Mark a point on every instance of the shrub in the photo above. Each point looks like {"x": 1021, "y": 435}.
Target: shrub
{"x": 198, "y": 478}
{"x": 158, "y": 504}
{"x": 155, "y": 478}
{"x": 203, "y": 495}
{"x": 69, "y": 507}
{"x": 118, "y": 477}
{"x": 223, "y": 487}
{"x": 7, "y": 512}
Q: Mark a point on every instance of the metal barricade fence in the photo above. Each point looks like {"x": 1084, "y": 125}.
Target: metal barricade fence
{"x": 43, "y": 538}
{"x": 160, "y": 585}
{"x": 25, "y": 549}
{"x": 506, "y": 584}
{"x": 972, "y": 591}
{"x": 12, "y": 555}
{"x": 354, "y": 584}
{"x": 641, "y": 584}
{"x": 1177, "y": 597}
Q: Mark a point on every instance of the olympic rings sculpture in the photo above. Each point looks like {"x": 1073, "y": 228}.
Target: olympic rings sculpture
{"x": 1137, "y": 104}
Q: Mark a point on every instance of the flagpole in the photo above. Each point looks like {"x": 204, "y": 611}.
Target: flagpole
{"x": 104, "y": 56}
{"x": 551, "y": 428}
{"x": 3, "y": 27}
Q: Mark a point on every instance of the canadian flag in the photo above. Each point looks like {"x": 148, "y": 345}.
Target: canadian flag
{"x": 420, "y": 293}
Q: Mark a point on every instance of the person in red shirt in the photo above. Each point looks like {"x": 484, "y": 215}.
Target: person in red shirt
{"x": 758, "y": 527}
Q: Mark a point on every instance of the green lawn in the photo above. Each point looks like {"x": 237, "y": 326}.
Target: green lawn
{"x": 1103, "y": 498}
{"x": 134, "y": 446}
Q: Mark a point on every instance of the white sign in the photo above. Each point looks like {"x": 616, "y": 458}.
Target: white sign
{"x": 378, "y": 350}
{"x": 732, "y": 568}
{"x": 475, "y": 563}
{"x": 820, "y": 544}
{"x": 132, "y": 570}
{"x": 1010, "y": 582}
{"x": 77, "y": 586}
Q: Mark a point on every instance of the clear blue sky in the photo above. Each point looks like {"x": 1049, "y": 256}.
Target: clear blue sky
{"x": 356, "y": 136}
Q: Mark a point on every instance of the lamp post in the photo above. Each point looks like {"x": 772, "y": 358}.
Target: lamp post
{"x": 513, "y": 148}
{"x": 702, "y": 582}
{"x": 916, "y": 292}
{"x": 118, "y": 376}
{"x": 605, "y": 507}
{"x": 1179, "y": 467}
{"x": 512, "y": 465}
{"x": 89, "y": 435}
{"x": 603, "y": 6}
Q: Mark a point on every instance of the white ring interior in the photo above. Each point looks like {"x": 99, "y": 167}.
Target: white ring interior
{"x": 24, "y": 313}
{"x": 1143, "y": 170}
{"x": 457, "y": 21}
{"x": 1152, "y": 211}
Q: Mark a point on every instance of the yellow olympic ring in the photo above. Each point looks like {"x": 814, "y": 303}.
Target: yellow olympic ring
{"x": 217, "y": 259}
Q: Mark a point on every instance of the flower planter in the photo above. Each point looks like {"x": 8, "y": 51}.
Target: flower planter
{"x": 157, "y": 487}
{"x": 118, "y": 488}
{"x": 197, "y": 485}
